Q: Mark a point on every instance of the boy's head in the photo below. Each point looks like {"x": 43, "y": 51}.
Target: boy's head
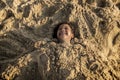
{"x": 64, "y": 32}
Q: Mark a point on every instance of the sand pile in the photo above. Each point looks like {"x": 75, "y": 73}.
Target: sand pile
{"x": 95, "y": 50}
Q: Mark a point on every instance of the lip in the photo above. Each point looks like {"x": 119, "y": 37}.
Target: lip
{"x": 63, "y": 33}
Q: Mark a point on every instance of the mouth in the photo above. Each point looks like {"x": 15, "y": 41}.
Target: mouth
{"x": 63, "y": 33}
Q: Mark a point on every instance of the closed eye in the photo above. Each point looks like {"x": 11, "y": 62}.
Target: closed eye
{"x": 66, "y": 28}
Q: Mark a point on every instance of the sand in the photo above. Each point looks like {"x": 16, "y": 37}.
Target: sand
{"x": 28, "y": 51}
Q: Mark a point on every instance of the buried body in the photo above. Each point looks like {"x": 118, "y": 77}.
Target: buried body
{"x": 62, "y": 62}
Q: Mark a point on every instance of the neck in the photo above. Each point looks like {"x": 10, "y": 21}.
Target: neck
{"x": 66, "y": 43}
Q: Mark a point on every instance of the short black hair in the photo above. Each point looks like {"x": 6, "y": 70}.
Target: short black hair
{"x": 57, "y": 27}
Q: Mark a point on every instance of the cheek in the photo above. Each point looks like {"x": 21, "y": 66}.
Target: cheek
{"x": 57, "y": 34}
{"x": 69, "y": 33}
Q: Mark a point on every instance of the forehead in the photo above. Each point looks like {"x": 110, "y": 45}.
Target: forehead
{"x": 64, "y": 25}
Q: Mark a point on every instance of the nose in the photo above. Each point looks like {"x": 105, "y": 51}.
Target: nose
{"x": 62, "y": 29}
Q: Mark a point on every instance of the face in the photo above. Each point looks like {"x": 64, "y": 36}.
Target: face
{"x": 64, "y": 33}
